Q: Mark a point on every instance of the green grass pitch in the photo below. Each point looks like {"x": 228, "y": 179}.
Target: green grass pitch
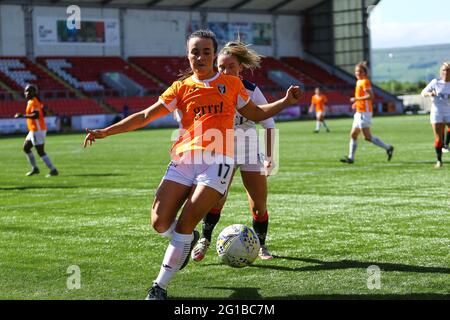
{"x": 328, "y": 221}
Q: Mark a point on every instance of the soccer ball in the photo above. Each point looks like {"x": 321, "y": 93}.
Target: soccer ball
{"x": 237, "y": 246}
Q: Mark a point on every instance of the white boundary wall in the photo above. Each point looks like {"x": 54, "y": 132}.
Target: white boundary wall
{"x": 12, "y": 31}
{"x": 145, "y": 32}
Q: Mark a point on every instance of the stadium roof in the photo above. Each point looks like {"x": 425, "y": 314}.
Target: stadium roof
{"x": 242, "y": 6}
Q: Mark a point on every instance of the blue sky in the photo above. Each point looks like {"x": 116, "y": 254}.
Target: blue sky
{"x": 403, "y": 23}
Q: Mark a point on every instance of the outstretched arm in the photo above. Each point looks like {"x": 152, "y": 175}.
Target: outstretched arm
{"x": 257, "y": 113}
{"x": 34, "y": 115}
{"x": 130, "y": 123}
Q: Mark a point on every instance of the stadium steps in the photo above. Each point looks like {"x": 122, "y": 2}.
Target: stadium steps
{"x": 145, "y": 73}
{"x": 15, "y": 94}
{"x": 77, "y": 92}
{"x": 317, "y": 83}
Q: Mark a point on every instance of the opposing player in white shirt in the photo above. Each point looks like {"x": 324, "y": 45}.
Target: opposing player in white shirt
{"x": 232, "y": 60}
{"x": 439, "y": 91}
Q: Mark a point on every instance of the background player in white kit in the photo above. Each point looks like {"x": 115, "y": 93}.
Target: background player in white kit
{"x": 439, "y": 91}
{"x": 232, "y": 60}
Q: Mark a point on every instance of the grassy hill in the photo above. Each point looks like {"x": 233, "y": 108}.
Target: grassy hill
{"x": 409, "y": 64}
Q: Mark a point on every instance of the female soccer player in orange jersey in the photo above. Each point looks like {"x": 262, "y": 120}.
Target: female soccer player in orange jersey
{"x": 318, "y": 102}
{"x": 439, "y": 91}
{"x": 200, "y": 171}
{"x": 37, "y": 131}
{"x": 362, "y": 103}
{"x": 232, "y": 60}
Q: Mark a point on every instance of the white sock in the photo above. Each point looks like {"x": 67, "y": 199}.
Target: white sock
{"x": 325, "y": 124}
{"x": 352, "y": 148}
{"x": 177, "y": 251}
{"x": 48, "y": 162}
{"x": 318, "y": 125}
{"x": 168, "y": 233}
{"x": 376, "y": 141}
{"x": 31, "y": 159}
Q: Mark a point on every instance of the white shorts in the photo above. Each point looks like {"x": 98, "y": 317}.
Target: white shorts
{"x": 320, "y": 114}
{"x": 439, "y": 116}
{"x": 247, "y": 157}
{"x": 216, "y": 175}
{"x": 362, "y": 120}
{"x": 36, "y": 137}
{"x": 250, "y": 166}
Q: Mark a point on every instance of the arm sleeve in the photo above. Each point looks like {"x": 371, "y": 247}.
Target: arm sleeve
{"x": 259, "y": 99}
{"x": 242, "y": 95}
{"x": 429, "y": 88}
{"x": 32, "y": 107}
{"x": 367, "y": 85}
{"x": 169, "y": 97}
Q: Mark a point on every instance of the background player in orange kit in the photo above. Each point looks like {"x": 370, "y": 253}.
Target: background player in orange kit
{"x": 362, "y": 120}
{"x": 318, "y": 102}
{"x": 37, "y": 131}
{"x": 205, "y": 102}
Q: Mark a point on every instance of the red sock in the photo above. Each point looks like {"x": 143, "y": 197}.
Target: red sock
{"x": 260, "y": 218}
{"x": 215, "y": 211}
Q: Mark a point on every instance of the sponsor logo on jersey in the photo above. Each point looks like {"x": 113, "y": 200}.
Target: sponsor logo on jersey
{"x": 211, "y": 108}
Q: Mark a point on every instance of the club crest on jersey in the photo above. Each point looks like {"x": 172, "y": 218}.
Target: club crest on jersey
{"x": 222, "y": 88}
{"x": 193, "y": 89}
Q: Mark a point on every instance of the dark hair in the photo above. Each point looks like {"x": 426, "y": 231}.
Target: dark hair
{"x": 33, "y": 88}
{"x": 364, "y": 65}
{"x": 204, "y": 34}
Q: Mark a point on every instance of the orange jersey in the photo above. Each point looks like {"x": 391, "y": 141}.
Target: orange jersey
{"x": 361, "y": 87}
{"x": 35, "y": 124}
{"x": 206, "y": 110}
{"x": 319, "y": 102}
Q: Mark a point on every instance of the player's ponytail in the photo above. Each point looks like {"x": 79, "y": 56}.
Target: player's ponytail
{"x": 364, "y": 65}
{"x": 249, "y": 58}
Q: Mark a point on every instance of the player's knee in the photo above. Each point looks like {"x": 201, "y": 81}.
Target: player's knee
{"x": 368, "y": 138}
{"x": 159, "y": 225}
{"x": 157, "y": 221}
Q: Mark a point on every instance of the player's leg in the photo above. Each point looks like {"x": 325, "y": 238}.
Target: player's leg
{"x": 169, "y": 198}
{"x": 353, "y": 144}
{"x": 318, "y": 123}
{"x": 27, "y": 146}
{"x": 209, "y": 222}
{"x": 41, "y": 151}
{"x": 322, "y": 120}
{"x": 177, "y": 253}
{"x": 212, "y": 182}
{"x": 378, "y": 142}
{"x": 438, "y": 131}
{"x": 447, "y": 139}
{"x": 256, "y": 185}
